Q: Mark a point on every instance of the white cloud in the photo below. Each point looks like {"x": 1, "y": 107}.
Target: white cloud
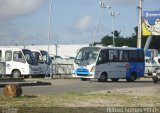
{"x": 84, "y": 23}
{"x": 9, "y": 8}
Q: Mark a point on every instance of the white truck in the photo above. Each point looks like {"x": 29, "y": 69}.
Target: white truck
{"x": 156, "y": 72}
{"x": 150, "y": 66}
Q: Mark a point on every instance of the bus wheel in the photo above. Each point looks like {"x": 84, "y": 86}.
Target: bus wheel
{"x": 132, "y": 78}
{"x": 114, "y": 79}
{"x": 16, "y": 74}
{"x": 103, "y": 77}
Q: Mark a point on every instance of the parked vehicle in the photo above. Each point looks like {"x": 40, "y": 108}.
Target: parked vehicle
{"x": 156, "y": 76}
{"x": 56, "y": 57}
{"x": 110, "y": 62}
{"x": 157, "y": 60}
{"x": 156, "y": 72}
{"x": 43, "y": 60}
{"x": 19, "y": 62}
{"x": 150, "y": 66}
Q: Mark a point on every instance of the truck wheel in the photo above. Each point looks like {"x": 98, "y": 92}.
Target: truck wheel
{"x": 103, "y": 77}
{"x": 16, "y": 74}
{"x": 155, "y": 80}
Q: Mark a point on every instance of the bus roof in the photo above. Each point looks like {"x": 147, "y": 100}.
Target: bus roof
{"x": 110, "y": 47}
{"x": 10, "y": 48}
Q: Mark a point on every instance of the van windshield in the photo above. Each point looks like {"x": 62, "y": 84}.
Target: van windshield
{"x": 29, "y": 57}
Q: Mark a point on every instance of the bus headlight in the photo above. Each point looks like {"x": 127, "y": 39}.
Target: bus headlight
{"x": 93, "y": 69}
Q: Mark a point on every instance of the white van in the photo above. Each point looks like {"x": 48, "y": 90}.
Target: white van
{"x": 42, "y": 58}
{"x": 19, "y": 62}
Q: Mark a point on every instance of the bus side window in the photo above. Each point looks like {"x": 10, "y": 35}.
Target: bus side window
{"x": 132, "y": 56}
{"x": 103, "y": 57}
{"x": 113, "y": 56}
{"x": 123, "y": 55}
{"x": 140, "y": 56}
{"x": 17, "y": 56}
{"x": 8, "y": 55}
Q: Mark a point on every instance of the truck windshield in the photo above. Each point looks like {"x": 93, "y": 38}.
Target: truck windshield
{"x": 86, "y": 57}
{"x": 29, "y": 57}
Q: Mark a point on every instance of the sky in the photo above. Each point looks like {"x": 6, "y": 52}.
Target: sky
{"x": 72, "y": 21}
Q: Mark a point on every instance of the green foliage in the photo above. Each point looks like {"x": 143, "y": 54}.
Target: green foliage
{"x": 130, "y": 41}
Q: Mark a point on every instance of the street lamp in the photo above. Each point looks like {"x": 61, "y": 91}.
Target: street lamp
{"x": 113, "y": 14}
{"x": 49, "y": 25}
{"x": 102, "y": 6}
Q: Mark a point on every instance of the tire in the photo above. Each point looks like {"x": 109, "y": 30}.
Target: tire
{"x": 128, "y": 79}
{"x": 155, "y": 80}
{"x": 103, "y": 77}
{"x": 132, "y": 78}
{"x": 114, "y": 79}
{"x": 16, "y": 74}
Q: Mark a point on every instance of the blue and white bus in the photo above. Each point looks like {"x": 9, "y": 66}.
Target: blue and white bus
{"x": 109, "y": 62}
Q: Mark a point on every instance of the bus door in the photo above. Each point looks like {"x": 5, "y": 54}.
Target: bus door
{"x": 19, "y": 62}
{"x": 102, "y": 63}
{"x": 8, "y": 60}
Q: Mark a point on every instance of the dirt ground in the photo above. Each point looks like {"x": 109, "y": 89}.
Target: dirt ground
{"x": 138, "y": 91}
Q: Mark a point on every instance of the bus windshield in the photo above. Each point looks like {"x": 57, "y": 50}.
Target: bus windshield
{"x": 38, "y": 56}
{"x": 29, "y": 57}
{"x": 46, "y": 57}
{"x": 86, "y": 56}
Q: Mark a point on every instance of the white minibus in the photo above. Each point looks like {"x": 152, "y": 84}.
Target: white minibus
{"x": 109, "y": 62}
{"x": 19, "y": 62}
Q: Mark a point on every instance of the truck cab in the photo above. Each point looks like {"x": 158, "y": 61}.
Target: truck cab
{"x": 150, "y": 66}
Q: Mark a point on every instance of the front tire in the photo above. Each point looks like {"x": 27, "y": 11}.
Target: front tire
{"x": 16, "y": 74}
{"x": 103, "y": 77}
{"x": 155, "y": 80}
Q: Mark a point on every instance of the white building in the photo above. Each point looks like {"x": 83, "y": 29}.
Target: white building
{"x": 61, "y": 50}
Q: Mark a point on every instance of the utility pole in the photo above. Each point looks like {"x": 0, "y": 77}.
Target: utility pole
{"x": 139, "y": 38}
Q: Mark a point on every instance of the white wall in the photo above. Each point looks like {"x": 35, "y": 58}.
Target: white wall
{"x": 62, "y": 50}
